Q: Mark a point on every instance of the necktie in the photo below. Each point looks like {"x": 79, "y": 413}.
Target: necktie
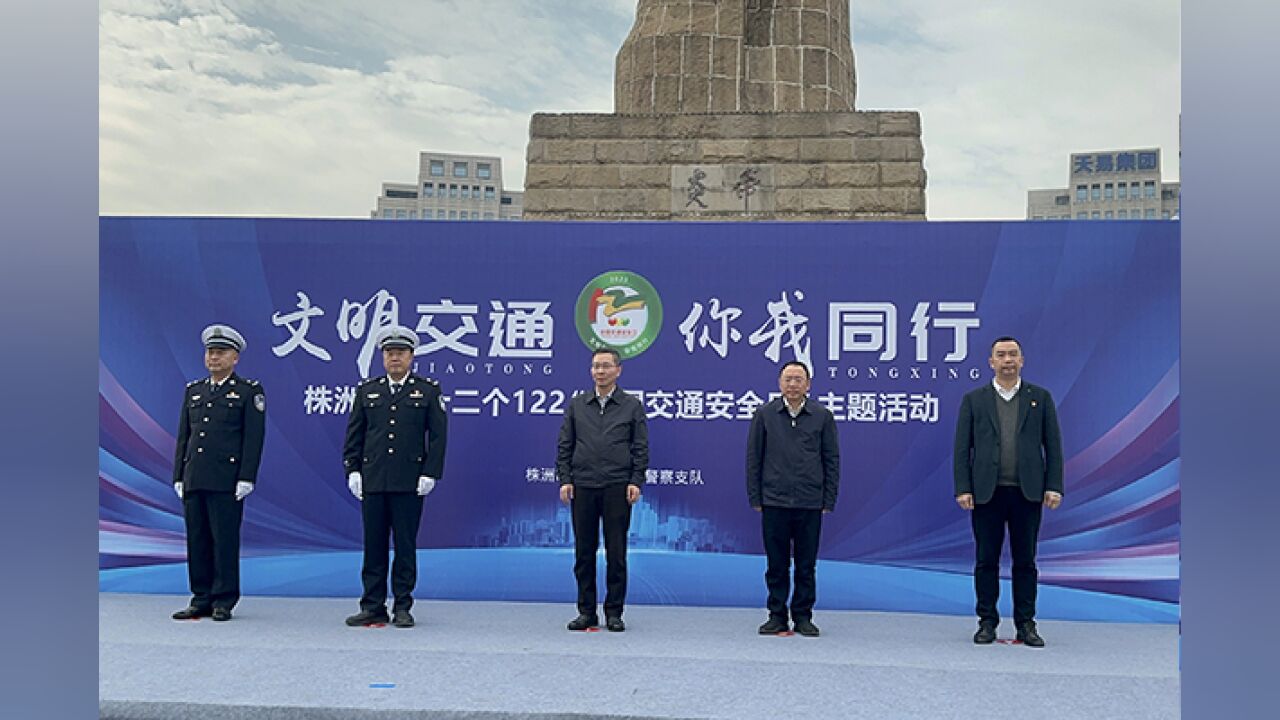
{"x": 395, "y": 388}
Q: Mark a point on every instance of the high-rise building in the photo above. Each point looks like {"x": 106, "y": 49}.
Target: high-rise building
{"x": 1110, "y": 185}
{"x": 451, "y": 187}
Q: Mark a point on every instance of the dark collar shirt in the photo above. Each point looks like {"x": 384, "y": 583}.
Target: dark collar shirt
{"x": 603, "y": 441}
{"x": 793, "y": 461}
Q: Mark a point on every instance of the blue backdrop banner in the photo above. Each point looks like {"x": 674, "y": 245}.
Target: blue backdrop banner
{"x": 895, "y": 319}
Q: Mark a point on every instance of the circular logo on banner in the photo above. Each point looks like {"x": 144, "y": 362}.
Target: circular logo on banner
{"x": 618, "y": 310}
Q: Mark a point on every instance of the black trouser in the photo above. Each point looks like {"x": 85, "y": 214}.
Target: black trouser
{"x": 593, "y": 507}
{"x": 401, "y": 514}
{"x": 1008, "y": 507}
{"x": 788, "y": 533}
{"x": 213, "y": 547}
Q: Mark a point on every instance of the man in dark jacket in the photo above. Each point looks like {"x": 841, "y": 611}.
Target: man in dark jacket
{"x": 215, "y": 466}
{"x": 393, "y": 456}
{"x": 1008, "y": 465}
{"x": 793, "y": 476}
{"x": 601, "y": 460}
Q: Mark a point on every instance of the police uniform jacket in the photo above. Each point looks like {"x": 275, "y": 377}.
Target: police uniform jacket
{"x": 220, "y": 434}
{"x": 394, "y": 439}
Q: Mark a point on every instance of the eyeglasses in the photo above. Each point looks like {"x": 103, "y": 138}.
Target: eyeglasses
{"x": 603, "y": 366}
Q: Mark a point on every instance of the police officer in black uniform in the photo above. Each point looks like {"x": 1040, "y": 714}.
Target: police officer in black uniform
{"x": 214, "y": 467}
{"x": 394, "y": 454}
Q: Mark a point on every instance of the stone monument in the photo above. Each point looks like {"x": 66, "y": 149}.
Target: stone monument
{"x": 730, "y": 110}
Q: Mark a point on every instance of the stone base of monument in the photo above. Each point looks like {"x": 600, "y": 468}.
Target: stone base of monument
{"x": 726, "y": 166}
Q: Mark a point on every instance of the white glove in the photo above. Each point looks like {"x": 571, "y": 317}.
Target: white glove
{"x": 177, "y": 487}
{"x": 355, "y": 485}
{"x": 243, "y": 488}
{"x": 425, "y": 485}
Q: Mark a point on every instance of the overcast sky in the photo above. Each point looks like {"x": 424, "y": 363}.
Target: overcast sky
{"x": 304, "y": 107}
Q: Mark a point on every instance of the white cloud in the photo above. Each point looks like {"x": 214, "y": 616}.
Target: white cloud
{"x": 1007, "y": 89}
{"x": 202, "y": 112}
{"x": 304, "y": 108}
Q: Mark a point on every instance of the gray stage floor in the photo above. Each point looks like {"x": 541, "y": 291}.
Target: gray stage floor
{"x": 294, "y": 658}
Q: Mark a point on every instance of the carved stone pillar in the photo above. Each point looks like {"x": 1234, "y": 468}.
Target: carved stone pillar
{"x": 698, "y": 56}
{"x": 730, "y": 110}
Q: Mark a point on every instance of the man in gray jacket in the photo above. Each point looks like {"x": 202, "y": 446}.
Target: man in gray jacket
{"x": 793, "y": 476}
{"x": 601, "y": 460}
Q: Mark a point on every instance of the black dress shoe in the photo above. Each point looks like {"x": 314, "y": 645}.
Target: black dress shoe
{"x": 190, "y": 612}
{"x": 615, "y": 624}
{"x": 221, "y": 614}
{"x": 986, "y": 634}
{"x": 1028, "y": 635}
{"x": 367, "y": 617}
{"x": 805, "y": 627}
{"x": 582, "y": 622}
{"x": 773, "y": 626}
{"x": 402, "y": 619}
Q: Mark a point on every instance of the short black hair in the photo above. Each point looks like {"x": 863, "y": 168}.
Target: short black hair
{"x": 1005, "y": 338}
{"x": 797, "y": 363}
{"x": 617, "y": 359}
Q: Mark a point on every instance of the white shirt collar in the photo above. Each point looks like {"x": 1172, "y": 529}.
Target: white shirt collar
{"x": 797, "y": 411}
{"x": 1007, "y": 394}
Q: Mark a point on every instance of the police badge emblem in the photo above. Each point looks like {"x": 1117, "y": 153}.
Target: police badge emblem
{"x": 260, "y": 403}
